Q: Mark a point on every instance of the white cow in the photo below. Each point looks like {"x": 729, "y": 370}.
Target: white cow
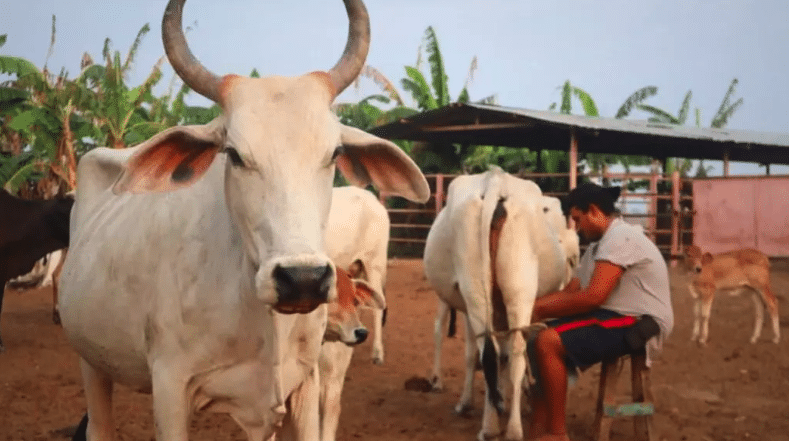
{"x": 203, "y": 278}
{"x": 343, "y": 331}
{"x": 357, "y": 233}
{"x": 490, "y": 252}
{"x": 357, "y": 240}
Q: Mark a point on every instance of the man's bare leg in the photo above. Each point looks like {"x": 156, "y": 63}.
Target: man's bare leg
{"x": 548, "y": 409}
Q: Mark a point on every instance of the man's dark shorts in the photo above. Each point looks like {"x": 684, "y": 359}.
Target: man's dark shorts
{"x": 589, "y": 338}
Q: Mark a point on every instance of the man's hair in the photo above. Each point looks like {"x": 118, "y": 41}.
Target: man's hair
{"x": 589, "y": 193}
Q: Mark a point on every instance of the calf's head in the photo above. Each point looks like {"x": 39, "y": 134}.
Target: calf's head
{"x": 694, "y": 259}
{"x": 282, "y": 144}
{"x": 344, "y": 324}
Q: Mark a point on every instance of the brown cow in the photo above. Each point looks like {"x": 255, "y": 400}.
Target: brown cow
{"x": 734, "y": 272}
{"x": 29, "y": 230}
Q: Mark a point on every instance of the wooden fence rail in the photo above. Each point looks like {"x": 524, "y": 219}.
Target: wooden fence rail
{"x": 665, "y": 211}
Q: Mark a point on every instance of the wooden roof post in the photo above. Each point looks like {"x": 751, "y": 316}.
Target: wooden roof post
{"x": 573, "y": 159}
{"x": 675, "y": 236}
{"x": 726, "y": 163}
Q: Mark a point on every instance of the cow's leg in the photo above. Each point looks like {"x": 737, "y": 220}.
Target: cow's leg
{"x": 332, "y": 378}
{"x": 696, "y": 314}
{"x": 771, "y": 304}
{"x": 696, "y": 320}
{"x": 378, "y": 332}
{"x": 466, "y": 402}
{"x": 55, "y": 282}
{"x": 705, "y": 308}
{"x": 517, "y": 370}
{"x": 758, "y": 312}
{"x": 490, "y": 416}
{"x": 438, "y": 336}
{"x": 98, "y": 394}
{"x": 301, "y": 423}
{"x": 170, "y": 405}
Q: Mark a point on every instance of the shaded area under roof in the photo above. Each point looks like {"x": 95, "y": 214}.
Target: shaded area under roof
{"x": 478, "y": 124}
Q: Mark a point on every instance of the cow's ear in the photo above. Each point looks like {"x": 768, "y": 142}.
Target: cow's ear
{"x": 173, "y": 159}
{"x": 706, "y": 258}
{"x": 368, "y": 296}
{"x": 368, "y": 159}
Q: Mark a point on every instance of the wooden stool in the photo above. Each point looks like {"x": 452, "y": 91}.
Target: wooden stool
{"x": 640, "y": 409}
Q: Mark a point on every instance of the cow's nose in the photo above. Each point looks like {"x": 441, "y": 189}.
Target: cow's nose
{"x": 698, "y": 269}
{"x": 360, "y": 334}
{"x": 300, "y": 289}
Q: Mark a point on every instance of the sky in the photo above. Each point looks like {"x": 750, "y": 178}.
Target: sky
{"x": 525, "y": 49}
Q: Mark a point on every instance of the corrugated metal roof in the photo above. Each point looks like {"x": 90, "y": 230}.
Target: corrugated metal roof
{"x": 507, "y": 126}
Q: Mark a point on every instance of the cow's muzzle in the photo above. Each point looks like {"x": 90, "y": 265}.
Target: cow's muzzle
{"x": 301, "y": 289}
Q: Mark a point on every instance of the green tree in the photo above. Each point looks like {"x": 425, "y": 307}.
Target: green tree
{"x": 38, "y": 111}
{"x": 116, "y": 109}
{"x": 443, "y": 158}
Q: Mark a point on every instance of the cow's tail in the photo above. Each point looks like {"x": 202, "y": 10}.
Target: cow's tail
{"x": 490, "y": 360}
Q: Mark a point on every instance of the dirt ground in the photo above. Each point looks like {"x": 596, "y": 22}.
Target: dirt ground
{"x": 729, "y": 390}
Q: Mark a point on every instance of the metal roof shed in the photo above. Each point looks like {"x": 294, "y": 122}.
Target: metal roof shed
{"x": 541, "y": 130}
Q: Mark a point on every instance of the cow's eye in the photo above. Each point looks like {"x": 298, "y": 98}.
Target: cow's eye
{"x": 235, "y": 158}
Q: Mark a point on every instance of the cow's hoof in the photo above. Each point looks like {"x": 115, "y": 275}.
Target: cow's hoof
{"x": 55, "y": 317}
{"x": 378, "y": 356}
{"x": 754, "y": 340}
{"x": 463, "y": 410}
{"x": 776, "y": 340}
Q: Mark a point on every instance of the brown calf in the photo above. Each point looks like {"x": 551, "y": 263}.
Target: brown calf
{"x": 734, "y": 272}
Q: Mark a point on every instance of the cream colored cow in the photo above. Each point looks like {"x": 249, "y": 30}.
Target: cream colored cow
{"x": 197, "y": 269}
{"x": 490, "y": 252}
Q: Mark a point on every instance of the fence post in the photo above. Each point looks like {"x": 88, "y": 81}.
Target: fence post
{"x": 439, "y": 193}
{"x": 653, "y": 201}
{"x": 675, "y": 184}
{"x": 573, "y": 160}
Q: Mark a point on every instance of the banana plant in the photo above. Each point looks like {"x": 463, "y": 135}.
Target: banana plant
{"x": 117, "y": 109}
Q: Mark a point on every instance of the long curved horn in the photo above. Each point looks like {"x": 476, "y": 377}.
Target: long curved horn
{"x": 350, "y": 64}
{"x": 200, "y": 79}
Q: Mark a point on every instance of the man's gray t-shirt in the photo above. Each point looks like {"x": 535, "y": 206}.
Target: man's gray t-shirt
{"x": 644, "y": 286}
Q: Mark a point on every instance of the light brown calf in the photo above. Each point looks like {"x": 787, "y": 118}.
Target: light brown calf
{"x": 734, "y": 272}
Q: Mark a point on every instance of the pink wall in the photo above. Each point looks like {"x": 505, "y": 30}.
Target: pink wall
{"x": 742, "y": 213}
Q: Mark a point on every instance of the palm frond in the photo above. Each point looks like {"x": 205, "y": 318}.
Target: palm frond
{"x": 658, "y": 115}
{"x": 684, "y": 108}
{"x": 567, "y": 106}
{"x": 3, "y": 38}
{"x": 51, "y": 43}
{"x": 471, "y": 70}
{"x": 19, "y": 177}
{"x": 382, "y": 81}
{"x": 722, "y": 119}
{"x": 24, "y": 70}
{"x": 635, "y": 98}
{"x": 437, "y": 72}
{"x": 463, "y": 97}
{"x": 590, "y": 108}
{"x": 726, "y": 98}
{"x": 419, "y": 89}
{"x": 133, "y": 49}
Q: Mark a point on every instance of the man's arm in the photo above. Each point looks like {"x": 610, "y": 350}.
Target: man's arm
{"x": 605, "y": 277}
